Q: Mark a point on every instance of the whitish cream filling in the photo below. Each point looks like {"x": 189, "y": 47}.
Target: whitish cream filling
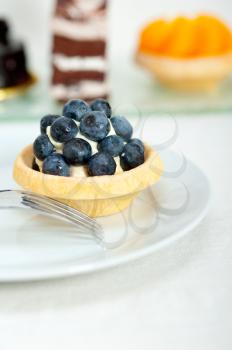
{"x": 39, "y": 163}
{"x": 79, "y": 170}
{"x": 85, "y": 89}
{"x": 58, "y": 145}
{"x": 78, "y": 63}
{"x": 94, "y": 29}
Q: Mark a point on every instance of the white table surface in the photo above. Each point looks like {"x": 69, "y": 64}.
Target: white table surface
{"x": 178, "y": 298}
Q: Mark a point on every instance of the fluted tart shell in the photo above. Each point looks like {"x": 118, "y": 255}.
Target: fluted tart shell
{"x": 94, "y": 196}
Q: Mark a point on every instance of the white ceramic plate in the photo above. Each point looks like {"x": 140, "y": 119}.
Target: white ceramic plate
{"x": 34, "y": 247}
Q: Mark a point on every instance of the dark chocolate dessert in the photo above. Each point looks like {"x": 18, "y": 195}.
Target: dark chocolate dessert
{"x": 13, "y": 69}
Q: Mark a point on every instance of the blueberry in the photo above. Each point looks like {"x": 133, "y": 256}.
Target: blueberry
{"x": 35, "y": 165}
{"x": 137, "y": 142}
{"x": 56, "y": 165}
{"x": 77, "y": 151}
{"x": 95, "y": 126}
{"x": 101, "y": 106}
{"x": 131, "y": 156}
{"x": 122, "y": 127}
{"x": 101, "y": 163}
{"x": 112, "y": 144}
{"x": 42, "y": 147}
{"x": 46, "y": 121}
{"x": 63, "y": 129}
{"x": 76, "y": 109}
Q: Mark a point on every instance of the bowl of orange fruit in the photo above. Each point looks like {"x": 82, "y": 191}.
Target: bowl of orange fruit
{"x": 187, "y": 53}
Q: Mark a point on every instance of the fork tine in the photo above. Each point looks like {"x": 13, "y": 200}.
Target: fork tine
{"x": 89, "y": 222}
{"x": 90, "y": 230}
{"x": 82, "y": 232}
{"x": 53, "y": 207}
{"x": 62, "y": 207}
{"x": 51, "y": 200}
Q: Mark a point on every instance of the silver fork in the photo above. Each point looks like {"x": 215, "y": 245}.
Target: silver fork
{"x": 88, "y": 228}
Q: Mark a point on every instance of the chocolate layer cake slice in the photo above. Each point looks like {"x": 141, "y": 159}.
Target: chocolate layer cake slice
{"x": 79, "y": 50}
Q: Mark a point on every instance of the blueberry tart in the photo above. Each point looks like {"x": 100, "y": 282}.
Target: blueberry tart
{"x": 88, "y": 158}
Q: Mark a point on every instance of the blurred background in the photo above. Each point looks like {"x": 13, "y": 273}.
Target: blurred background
{"x": 129, "y": 84}
{"x": 31, "y": 21}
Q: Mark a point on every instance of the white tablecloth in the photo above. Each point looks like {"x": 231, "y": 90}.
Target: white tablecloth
{"x": 178, "y": 298}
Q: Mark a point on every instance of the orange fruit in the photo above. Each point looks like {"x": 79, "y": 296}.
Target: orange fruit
{"x": 184, "y": 37}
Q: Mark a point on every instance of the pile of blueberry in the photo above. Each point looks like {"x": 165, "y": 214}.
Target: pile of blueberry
{"x": 80, "y": 126}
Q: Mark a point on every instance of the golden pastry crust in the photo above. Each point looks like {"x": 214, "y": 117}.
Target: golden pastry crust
{"x": 95, "y": 196}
